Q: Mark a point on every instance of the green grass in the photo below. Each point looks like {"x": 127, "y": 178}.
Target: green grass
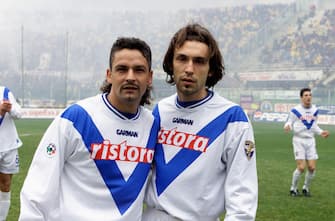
{"x": 275, "y": 165}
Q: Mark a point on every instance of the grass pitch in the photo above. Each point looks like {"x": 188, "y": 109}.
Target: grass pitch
{"x": 275, "y": 165}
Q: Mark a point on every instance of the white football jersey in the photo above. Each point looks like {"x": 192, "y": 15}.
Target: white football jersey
{"x": 205, "y": 161}
{"x": 303, "y": 121}
{"x": 9, "y": 138}
{"x": 92, "y": 164}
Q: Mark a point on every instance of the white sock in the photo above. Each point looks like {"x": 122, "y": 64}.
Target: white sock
{"x": 308, "y": 178}
{"x": 295, "y": 178}
{"x": 4, "y": 205}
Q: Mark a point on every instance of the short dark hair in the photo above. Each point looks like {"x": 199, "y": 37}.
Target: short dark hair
{"x": 303, "y": 90}
{"x": 135, "y": 44}
{"x": 195, "y": 32}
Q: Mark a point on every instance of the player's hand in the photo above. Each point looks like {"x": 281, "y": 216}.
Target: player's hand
{"x": 325, "y": 133}
{"x": 287, "y": 128}
{"x": 5, "y": 106}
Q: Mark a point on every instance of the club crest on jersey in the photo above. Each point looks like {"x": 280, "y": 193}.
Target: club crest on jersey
{"x": 51, "y": 150}
{"x": 122, "y": 152}
{"x": 183, "y": 140}
{"x": 249, "y": 149}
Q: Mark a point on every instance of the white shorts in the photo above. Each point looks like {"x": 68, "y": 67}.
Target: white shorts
{"x": 9, "y": 162}
{"x": 304, "y": 148}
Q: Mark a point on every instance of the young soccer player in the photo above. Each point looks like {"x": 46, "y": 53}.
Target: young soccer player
{"x": 303, "y": 121}
{"x": 205, "y": 162}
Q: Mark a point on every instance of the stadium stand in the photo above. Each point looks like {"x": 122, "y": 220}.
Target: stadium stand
{"x": 255, "y": 39}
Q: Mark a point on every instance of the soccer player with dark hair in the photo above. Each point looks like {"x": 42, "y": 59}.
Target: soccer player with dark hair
{"x": 302, "y": 121}
{"x": 94, "y": 160}
{"x": 205, "y": 161}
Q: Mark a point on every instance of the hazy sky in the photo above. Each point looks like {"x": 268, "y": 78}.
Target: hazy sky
{"x": 123, "y": 4}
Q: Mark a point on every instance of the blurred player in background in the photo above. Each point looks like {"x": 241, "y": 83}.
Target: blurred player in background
{"x": 9, "y": 144}
{"x": 302, "y": 121}
{"x": 94, "y": 159}
{"x": 205, "y": 161}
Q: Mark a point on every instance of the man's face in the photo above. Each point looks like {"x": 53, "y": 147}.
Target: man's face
{"x": 130, "y": 76}
{"x": 190, "y": 70}
{"x": 306, "y": 99}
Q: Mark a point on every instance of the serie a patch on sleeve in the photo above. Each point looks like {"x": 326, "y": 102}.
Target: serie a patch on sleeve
{"x": 249, "y": 149}
{"x": 51, "y": 150}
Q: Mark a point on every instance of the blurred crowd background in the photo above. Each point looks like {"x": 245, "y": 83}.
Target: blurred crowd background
{"x": 51, "y": 58}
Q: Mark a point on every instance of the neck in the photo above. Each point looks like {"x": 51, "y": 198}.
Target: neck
{"x": 125, "y": 107}
{"x": 192, "y": 97}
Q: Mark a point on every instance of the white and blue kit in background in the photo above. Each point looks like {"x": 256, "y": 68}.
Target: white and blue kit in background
{"x": 8, "y": 134}
{"x": 303, "y": 122}
{"x": 9, "y": 138}
{"x": 9, "y": 144}
{"x": 91, "y": 164}
{"x": 204, "y": 164}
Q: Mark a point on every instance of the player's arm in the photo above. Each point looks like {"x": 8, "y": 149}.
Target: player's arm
{"x": 40, "y": 193}
{"x": 317, "y": 130}
{"x": 289, "y": 123}
{"x": 16, "y": 110}
{"x": 241, "y": 187}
